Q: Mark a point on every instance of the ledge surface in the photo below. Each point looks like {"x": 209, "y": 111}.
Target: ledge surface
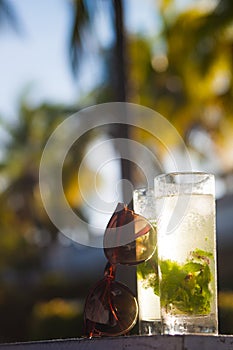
{"x": 161, "y": 342}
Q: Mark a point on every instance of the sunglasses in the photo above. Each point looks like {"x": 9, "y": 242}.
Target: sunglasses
{"x": 111, "y": 308}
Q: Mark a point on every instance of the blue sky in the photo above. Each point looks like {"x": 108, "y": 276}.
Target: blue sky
{"x": 35, "y": 62}
{"x": 37, "y": 58}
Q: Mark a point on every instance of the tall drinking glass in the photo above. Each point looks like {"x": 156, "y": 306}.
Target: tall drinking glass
{"x": 147, "y": 272}
{"x": 185, "y": 210}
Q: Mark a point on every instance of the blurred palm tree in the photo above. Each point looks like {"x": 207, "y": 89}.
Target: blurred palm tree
{"x": 26, "y": 139}
{"x": 197, "y": 91}
{"x": 184, "y": 73}
{"x": 27, "y": 236}
{"x": 84, "y": 12}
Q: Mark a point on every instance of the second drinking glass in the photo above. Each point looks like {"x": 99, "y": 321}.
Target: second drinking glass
{"x": 147, "y": 272}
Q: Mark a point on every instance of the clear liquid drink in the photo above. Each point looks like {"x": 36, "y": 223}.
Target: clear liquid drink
{"x": 186, "y": 240}
{"x": 147, "y": 272}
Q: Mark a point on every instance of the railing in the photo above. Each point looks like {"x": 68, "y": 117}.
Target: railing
{"x": 190, "y": 342}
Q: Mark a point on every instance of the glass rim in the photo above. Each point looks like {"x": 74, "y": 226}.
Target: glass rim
{"x": 143, "y": 189}
{"x": 185, "y": 177}
{"x": 186, "y": 182}
{"x": 177, "y": 173}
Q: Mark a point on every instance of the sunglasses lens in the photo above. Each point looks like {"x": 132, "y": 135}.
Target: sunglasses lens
{"x": 111, "y": 309}
{"x": 129, "y": 238}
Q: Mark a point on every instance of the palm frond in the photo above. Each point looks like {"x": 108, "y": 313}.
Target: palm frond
{"x": 80, "y": 20}
{"x": 221, "y": 16}
{"x": 8, "y": 15}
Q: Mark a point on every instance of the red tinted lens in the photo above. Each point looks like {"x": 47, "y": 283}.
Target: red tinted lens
{"x": 110, "y": 309}
{"x": 129, "y": 238}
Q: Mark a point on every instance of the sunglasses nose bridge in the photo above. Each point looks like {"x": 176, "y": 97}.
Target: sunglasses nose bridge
{"x": 110, "y": 271}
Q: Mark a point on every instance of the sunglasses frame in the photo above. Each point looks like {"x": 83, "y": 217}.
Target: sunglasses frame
{"x": 90, "y": 328}
{"x": 122, "y": 216}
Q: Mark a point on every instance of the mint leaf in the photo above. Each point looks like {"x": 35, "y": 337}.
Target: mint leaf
{"x": 185, "y": 287}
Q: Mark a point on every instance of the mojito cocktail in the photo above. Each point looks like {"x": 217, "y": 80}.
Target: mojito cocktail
{"x": 185, "y": 206}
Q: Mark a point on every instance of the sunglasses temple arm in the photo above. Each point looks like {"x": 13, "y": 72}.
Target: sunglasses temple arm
{"x": 89, "y": 328}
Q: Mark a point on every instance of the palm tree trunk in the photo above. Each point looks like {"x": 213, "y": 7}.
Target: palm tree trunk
{"x": 121, "y": 84}
{"x": 122, "y": 129}
{"x": 120, "y": 62}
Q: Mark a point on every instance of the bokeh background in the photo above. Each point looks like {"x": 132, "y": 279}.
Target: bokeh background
{"x": 60, "y": 56}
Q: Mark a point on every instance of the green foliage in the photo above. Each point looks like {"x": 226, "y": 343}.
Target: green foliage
{"x": 186, "y": 287}
{"x": 56, "y": 318}
{"x": 225, "y": 303}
